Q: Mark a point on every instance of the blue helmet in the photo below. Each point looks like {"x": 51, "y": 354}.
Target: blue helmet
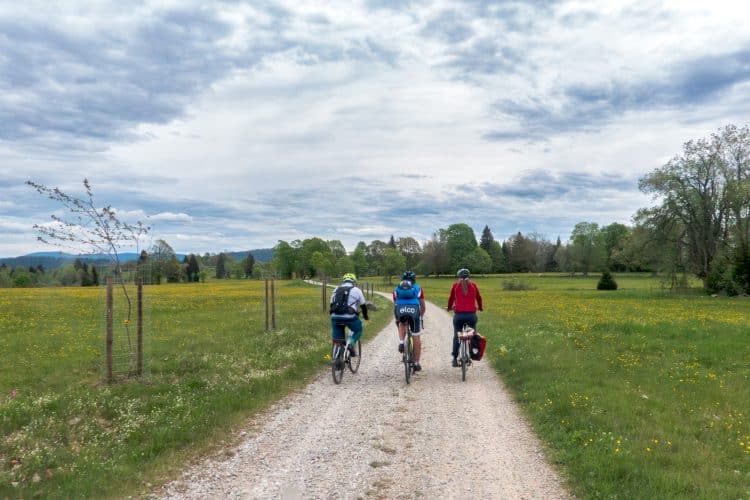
{"x": 408, "y": 275}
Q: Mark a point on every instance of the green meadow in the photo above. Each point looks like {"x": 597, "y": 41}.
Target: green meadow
{"x": 67, "y": 434}
{"x": 636, "y": 393}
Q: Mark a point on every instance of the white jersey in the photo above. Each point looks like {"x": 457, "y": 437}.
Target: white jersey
{"x": 356, "y": 298}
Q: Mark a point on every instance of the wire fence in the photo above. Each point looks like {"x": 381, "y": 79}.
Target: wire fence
{"x": 124, "y": 322}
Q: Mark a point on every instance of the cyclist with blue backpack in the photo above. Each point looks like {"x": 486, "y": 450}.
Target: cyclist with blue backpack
{"x": 408, "y": 300}
{"x": 344, "y": 301}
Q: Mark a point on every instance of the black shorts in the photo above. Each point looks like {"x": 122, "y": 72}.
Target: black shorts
{"x": 410, "y": 314}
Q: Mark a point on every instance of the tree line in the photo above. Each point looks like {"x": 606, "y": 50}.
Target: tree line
{"x": 160, "y": 264}
{"x": 699, "y": 224}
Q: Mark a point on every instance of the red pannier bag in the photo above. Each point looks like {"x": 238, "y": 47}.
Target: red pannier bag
{"x": 478, "y": 343}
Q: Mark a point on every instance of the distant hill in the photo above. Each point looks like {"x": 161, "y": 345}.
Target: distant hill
{"x": 260, "y": 254}
{"x": 51, "y": 260}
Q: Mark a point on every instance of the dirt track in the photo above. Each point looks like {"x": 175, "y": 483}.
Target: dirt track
{"x": 373, "y": 436}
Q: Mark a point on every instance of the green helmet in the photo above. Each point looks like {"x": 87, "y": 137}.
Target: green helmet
{"x": 349, "y": 277}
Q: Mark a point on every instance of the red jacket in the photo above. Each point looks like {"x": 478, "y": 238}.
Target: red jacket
{"x": 465, "y": 303}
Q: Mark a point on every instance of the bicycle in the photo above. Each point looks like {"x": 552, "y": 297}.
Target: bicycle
{"x": 408, "y": 356}
{"x": 464, "y": 349}
{"x": 341, "y": 358}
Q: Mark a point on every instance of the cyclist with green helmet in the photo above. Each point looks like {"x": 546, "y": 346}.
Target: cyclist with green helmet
{"x": 464, "y": 299}
{"x": 344, "y": 301}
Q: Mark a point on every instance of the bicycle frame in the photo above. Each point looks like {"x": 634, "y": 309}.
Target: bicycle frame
{"x": 341, "y": 357}
{"x": 408, "y": 356}
{"x": 464, "y": 348}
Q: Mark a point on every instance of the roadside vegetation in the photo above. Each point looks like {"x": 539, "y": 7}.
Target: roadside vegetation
{"x": 638, "y": 393}
{"x": 65, "y": 434}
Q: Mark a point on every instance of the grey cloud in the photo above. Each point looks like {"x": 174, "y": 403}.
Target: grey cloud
{"x": 579, "y": 18}
{"x": 539, "y": 185}
{"x": 706, "y": 76}
{"x": 583, "y": 107}
{"x": 67, "y": 91}
{"x": 398, "y": 5}
{"x": 100, "y": 87}
{"x": 516, "y": 16}
{"x": 487, "y": 56}
{"x": 448, "y": 26}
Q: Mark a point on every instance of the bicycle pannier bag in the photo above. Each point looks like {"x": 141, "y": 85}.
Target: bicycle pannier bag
{"x": 340, "y": 304}
{"x": 478, "y": 343}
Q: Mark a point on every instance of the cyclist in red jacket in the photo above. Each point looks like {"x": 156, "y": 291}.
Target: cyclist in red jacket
{"x": 465, "y": 299}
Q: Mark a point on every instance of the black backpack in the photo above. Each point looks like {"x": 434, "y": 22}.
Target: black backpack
{"x": 340, "y": 303}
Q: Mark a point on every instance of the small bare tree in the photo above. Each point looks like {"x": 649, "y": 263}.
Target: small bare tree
{"x": 93, "y": 228}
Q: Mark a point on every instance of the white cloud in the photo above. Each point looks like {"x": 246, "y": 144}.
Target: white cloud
{"x": 234, "y": 125}
{"x": 170, "y": 217}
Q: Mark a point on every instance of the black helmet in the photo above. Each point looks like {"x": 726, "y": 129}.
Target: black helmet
{"x": 408, "y": 275}
{"x": 463, "y": 273}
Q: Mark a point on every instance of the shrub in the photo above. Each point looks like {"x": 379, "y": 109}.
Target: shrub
{"x": 516, "y": 285}
{"x": 606, "y": 282}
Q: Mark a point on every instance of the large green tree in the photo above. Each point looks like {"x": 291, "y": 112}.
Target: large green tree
{"x": 221, "y": 266}
{"x": 587, "y": 247}
{"x": 375, "y": 256}
{"x": 249, "y": 263}
{"x": 164, "y": 263}
{"x": 694, "y": 202}
{"x": 410, "y": 249}
{"x": 493, "y": 248}
{"x": 460, "y": 243}
{"x": 521, "y": 254}
{"x": 393, "y": 263}
{"x": 284, "y": 259}
{"x": 359, "y": 259}
{"x": 435, "y": 255}
{"x": 735, "y": 154}
{"x": 615, "y": 237}
{"x": 192, "y": 269}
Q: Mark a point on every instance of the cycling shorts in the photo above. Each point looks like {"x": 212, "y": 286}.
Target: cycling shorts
{"x": 410, "y": 312}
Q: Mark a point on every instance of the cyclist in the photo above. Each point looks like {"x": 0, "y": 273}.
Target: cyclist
{"x": 465, "y": 299}
{"x": 344, "y": 301}
{"x": 408, "y": 300}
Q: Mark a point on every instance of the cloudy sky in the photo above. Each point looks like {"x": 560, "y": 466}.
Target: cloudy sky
{"x": 231, "y": 125}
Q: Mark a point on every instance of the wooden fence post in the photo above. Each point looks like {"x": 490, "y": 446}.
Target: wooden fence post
{"x": 323, "y": 295}
{"x": 110, "y": 319}
{"x": 273, "y": 305}
{"x": 139, "y": 327}
{"x": 267, "y": 304}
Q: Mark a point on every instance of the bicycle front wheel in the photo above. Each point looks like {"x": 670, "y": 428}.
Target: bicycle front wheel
{"x": 354, "y": 361}
{"x": 408, "y": 358}
{"x": 464, "y": 361}
{"x": 337, "y": 363}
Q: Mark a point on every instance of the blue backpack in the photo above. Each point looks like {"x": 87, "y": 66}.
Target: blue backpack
{"x": 406, "y": 291}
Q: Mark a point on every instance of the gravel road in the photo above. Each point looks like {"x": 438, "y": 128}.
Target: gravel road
{"x": 373, "y": 436}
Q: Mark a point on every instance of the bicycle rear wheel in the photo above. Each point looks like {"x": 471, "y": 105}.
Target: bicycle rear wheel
{"x": 353, "y": 362}
{"x": 337, "y": 363}
{"x": 408, "y": 358}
